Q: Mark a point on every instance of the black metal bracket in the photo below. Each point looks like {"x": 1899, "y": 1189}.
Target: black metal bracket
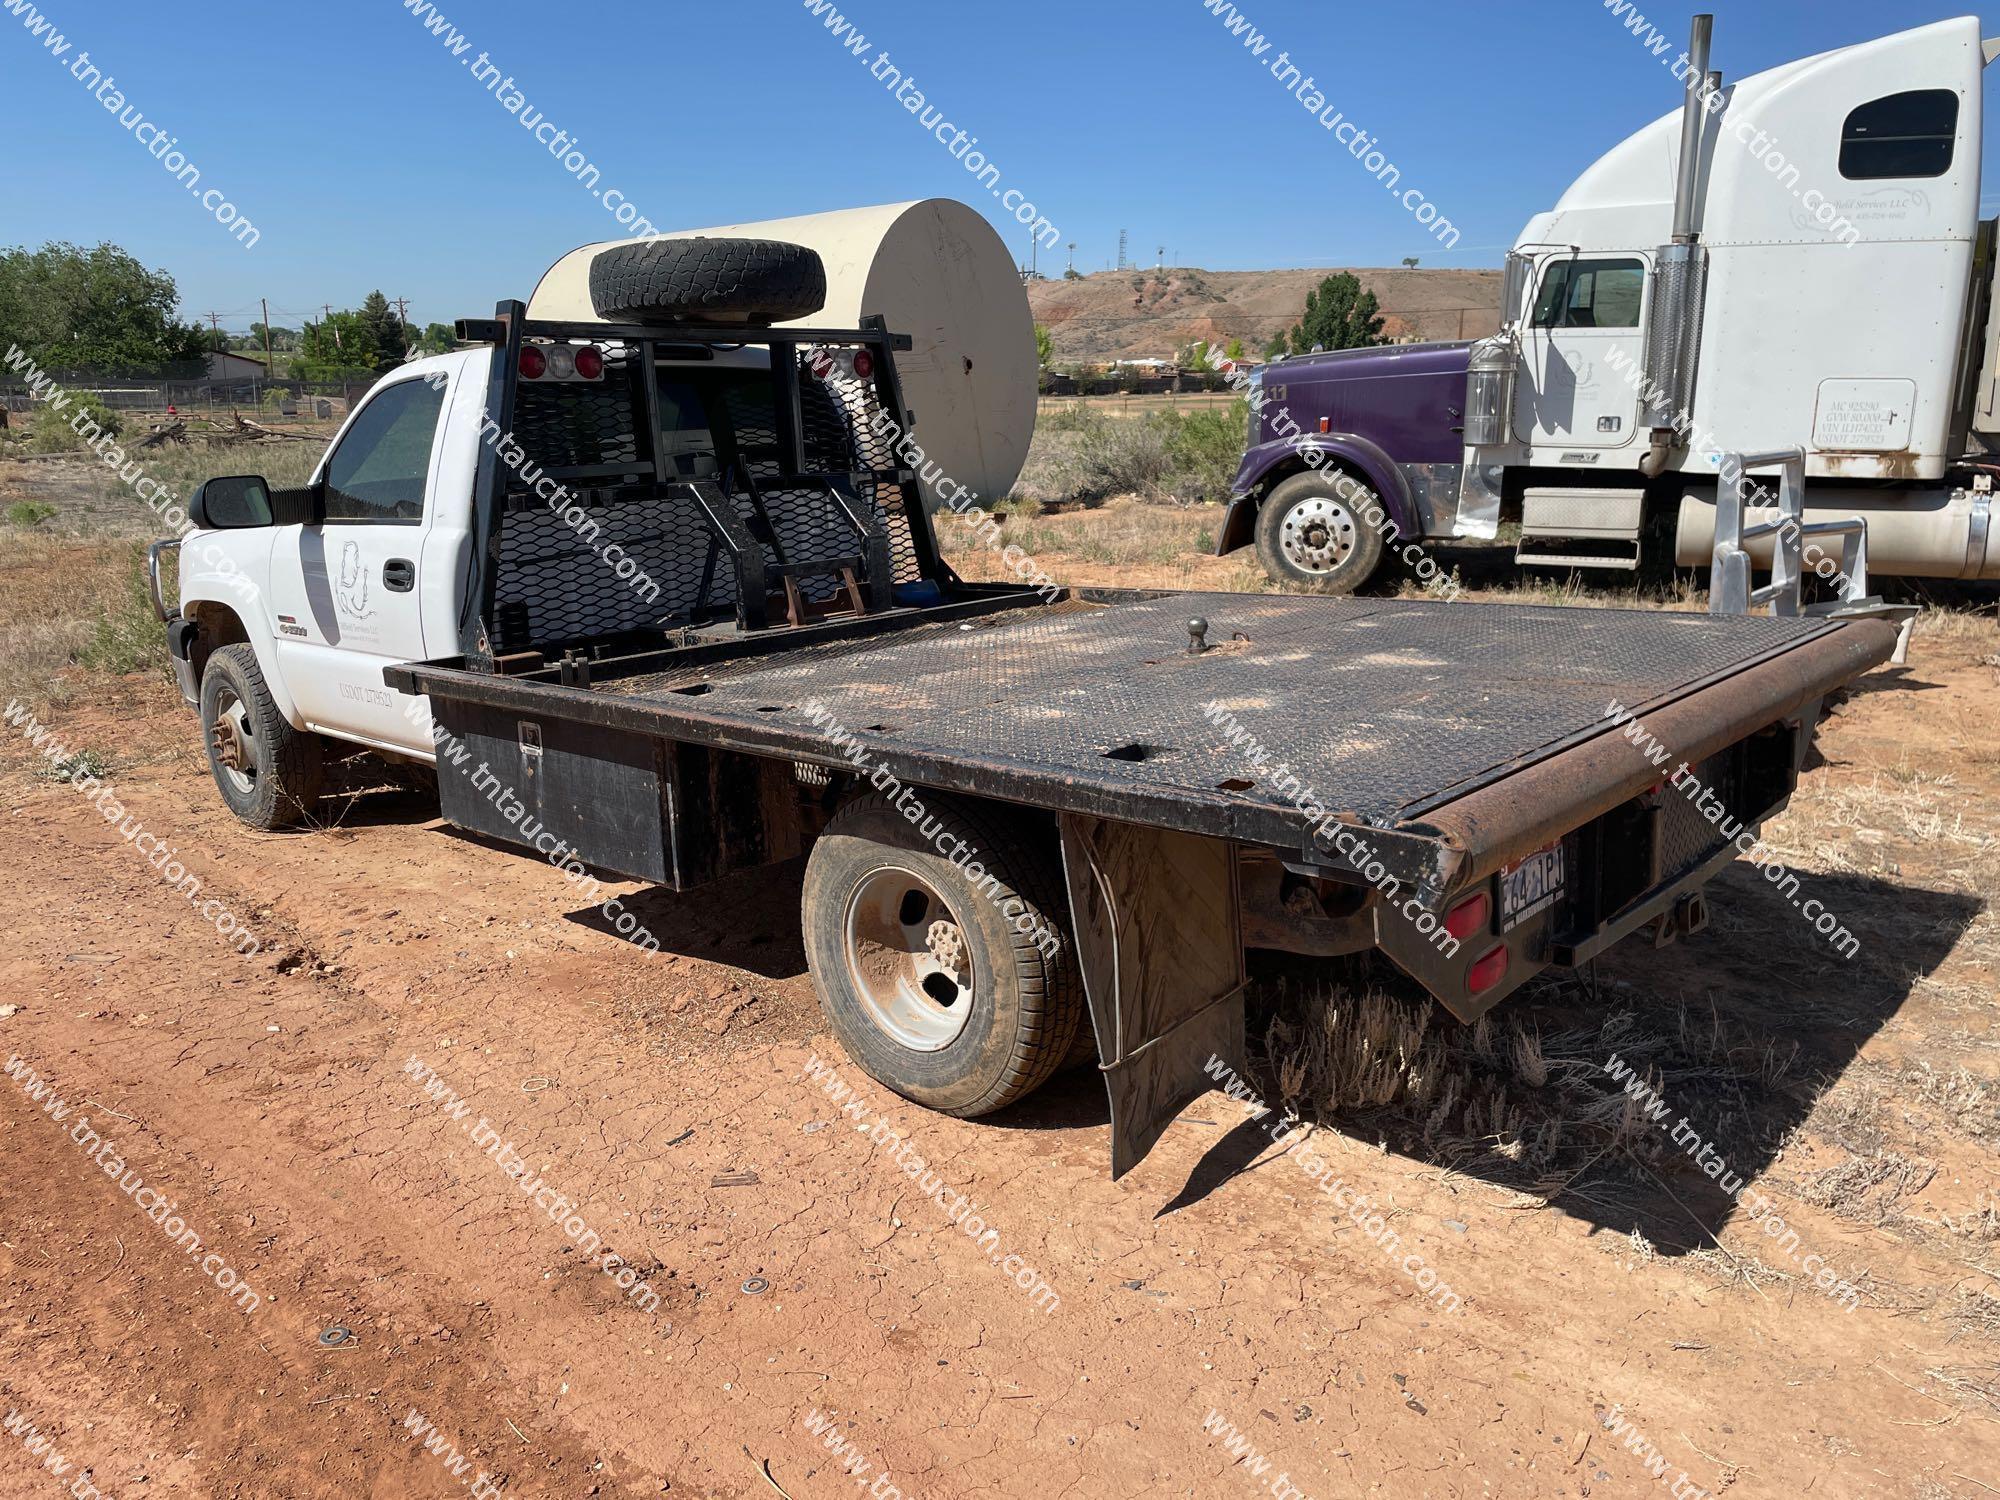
{"x": 746, "y": 553}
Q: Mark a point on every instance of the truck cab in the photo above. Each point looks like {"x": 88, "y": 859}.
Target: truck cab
{"x": 1793, "y": 260}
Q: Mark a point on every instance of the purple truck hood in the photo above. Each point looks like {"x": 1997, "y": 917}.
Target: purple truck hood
{"x": 1385, "y": 359}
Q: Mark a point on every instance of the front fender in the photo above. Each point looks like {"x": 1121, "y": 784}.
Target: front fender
{"x": 209, "y": 574}
{"x": 1336, "y": 450}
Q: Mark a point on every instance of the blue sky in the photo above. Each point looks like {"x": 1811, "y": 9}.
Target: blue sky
{"x": 367, "y": 156}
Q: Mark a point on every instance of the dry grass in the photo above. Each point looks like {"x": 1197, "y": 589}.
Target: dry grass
{"x": 1530, "y": 1105}
{"x": 57, "y": 592}
{"x": 71, "y": 594}
{"x": 1123, "y": 543}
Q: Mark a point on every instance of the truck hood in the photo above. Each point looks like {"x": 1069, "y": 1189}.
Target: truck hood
{"x": 1365, "y": 364}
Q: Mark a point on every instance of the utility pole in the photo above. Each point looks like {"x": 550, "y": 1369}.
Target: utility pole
{"x": 270, "y": 370}
{"x": 1121, "y": 249}
{"x": 331, "y": 324}
{"x": 215, "y": 327}
{"x": 403, "y": 311}
{"x": 1072, "y": 258}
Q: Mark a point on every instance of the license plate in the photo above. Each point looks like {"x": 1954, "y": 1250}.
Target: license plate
{"x": 1529, "y": 885}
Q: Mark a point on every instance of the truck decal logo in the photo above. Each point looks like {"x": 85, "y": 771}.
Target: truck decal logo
{"x": 352, "y": 594}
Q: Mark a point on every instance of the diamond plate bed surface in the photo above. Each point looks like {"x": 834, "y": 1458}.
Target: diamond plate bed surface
{"x": 1381, "y": 707}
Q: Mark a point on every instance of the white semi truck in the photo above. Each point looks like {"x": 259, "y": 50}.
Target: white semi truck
{"x": 1793, "y": 261}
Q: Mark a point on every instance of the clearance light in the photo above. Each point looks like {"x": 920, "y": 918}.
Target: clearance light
{"x": 1469, "y": 916}
{"x": 864, "y": 364}
{"x": 534, "y": 363}
{"x": 1487, "y": 971}
{"x": 589, "y": 363}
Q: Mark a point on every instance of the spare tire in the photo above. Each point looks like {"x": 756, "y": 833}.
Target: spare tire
{"x": 724, "y": 280}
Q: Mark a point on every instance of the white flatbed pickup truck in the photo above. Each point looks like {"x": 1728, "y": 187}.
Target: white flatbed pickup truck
{"x": 655, "y": 578}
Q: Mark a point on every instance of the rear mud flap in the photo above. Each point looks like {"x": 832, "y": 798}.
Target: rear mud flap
{"x": 1159, "y": 940}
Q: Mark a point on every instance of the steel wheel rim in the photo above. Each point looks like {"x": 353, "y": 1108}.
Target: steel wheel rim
{"x": 232, "y": 743}
{"x": 907, "y": 959}
{"x": 1318, "y": 534}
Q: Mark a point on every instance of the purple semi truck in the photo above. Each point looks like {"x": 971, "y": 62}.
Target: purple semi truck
{"x": 1329, "y": 433}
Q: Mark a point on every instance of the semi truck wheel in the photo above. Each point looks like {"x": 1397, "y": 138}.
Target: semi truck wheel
{"x": 1313, "y": 531}
{"x": 268, "y": 772}
{"x": 936, "y": 984}
{"x": 757, "y": 281}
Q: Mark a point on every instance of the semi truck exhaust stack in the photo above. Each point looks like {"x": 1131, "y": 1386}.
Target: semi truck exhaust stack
{"x": 1680, "y": 280}
{"x": 1691, "y": 121}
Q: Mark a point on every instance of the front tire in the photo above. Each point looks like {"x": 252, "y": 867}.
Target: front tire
{"x": 1314, "y": 531}
{"x": 268, "y": 772}
{"x": 927, "y": 977}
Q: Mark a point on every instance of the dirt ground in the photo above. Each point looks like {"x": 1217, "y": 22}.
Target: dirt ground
{"x": 801, "y": 1273}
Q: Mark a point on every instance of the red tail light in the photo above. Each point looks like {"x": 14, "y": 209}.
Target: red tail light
{"x": 589, "y": 362}
{"x": 1469, "y": 916}
{"x": 1487, "y": 972}
{"x": 864, "y": 364}
{"x": 534, "y": 363}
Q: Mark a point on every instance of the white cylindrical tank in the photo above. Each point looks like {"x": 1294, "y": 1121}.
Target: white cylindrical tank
{"x": 934, "y": 270}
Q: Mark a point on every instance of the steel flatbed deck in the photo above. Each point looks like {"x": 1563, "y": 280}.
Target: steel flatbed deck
{"x": 1387, "y": 710}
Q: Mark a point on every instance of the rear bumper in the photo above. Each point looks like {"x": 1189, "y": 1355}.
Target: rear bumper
{"x": 1518, "y": 814}
{"x": 1638, "y": 824}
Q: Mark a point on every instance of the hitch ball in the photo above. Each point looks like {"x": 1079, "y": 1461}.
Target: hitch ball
{"x": 1197, "y": 636}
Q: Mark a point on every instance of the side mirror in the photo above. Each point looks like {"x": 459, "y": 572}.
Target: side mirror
{"x": 1514, "y": 286}
{"x": 231, "y": 504}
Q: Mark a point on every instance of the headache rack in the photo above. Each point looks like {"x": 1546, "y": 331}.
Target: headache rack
{"x": 615, "y": 514}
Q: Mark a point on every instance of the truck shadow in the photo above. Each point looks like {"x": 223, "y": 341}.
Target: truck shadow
{"x": 749, "y": 920}
{"x": 1732, "y": 1041}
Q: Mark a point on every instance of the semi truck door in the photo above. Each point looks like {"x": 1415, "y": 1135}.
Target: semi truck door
{"x": 345, "y": 588}
{"x": 1585, "y": 352}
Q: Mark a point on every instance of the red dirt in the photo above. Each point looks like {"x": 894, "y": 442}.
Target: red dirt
{"x": 267, "y": 1096}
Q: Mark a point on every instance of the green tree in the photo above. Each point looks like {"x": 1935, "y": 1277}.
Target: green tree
{"x": 438, "y": 338}
{"x": 1338, "y": 315}
{"x": 285, "y": 339}
{"x": 336, "y": 347}
{"x": 368, "y": 340}
{"x": 100, "y": 308}
{"x": 1045, "y": 346}
{"x": 1276, "y": 346}
{"x": 1195, "y": 356}
{"x": 387, "y": 336}
{"x": 1235, "y": 349}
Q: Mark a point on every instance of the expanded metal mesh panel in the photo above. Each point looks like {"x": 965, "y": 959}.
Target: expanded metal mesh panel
{"x": 568, "y": 424}
{"x": 855, "y": 407}
{"x": 557, "y": 584}
{"x": 1380, "y": 706}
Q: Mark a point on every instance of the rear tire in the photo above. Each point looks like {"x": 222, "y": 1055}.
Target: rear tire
{"x": 925, "y": 980}
{"x": 1313, "y": 533}
{"x": 753, "y": 281}
{"x": 269, "y": 773}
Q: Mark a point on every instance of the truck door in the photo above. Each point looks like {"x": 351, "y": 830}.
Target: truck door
{"x": 1585, "y": 353}
{"x": 345, "y": 588}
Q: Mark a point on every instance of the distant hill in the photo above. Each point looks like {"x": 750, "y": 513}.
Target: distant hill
{"x": 1151, "y": 314}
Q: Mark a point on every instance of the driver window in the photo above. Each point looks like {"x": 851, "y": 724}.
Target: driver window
{"x": 1591, "y": 294}
{"x": 378, "y": 469}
